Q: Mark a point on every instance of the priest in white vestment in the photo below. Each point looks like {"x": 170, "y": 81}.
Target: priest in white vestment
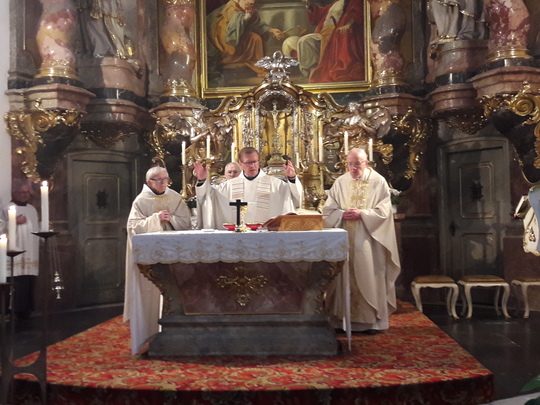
{"x": 157, "y": 208}
{"x": 359, "y": 202}
{"x": 267, "y": 196}
{"x": 232, "y": 170}
{"x": 25, "y": 265}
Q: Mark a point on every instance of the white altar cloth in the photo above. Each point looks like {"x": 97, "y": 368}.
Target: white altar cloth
{"x": 211, "y": 246}
{"x": 331, "y": 245}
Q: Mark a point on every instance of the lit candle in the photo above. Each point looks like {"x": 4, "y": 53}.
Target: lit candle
{"x": 370, "y": 149}
{"x": 233, "y": 152}
{"x": 12, "y": 227}
{"x": 3, "y": 258}
{"x": 184, "y": 153}
{"x": 320, "y": 149}
{"x": 44, "y": 207}
{"x": 208, "y": 146}
{"x": 346, "y": 142}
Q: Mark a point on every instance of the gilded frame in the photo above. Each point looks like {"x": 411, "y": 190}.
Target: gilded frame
{"x": 239, "y": 85}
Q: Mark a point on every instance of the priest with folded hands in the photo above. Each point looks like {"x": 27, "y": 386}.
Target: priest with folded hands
{"x": 359, "y": 202}
{"x": 157, "y": 208}
{"x": 267, "y": 196}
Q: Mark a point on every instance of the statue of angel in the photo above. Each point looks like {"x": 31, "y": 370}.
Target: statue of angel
{"x": 374, "y": 121}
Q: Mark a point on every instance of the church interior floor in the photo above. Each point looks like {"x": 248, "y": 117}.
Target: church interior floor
{"x": 508, "y": 348}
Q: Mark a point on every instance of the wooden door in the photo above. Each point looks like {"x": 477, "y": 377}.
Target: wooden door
{"x": 101, "y": 188}
{"x": 474, "y": 206}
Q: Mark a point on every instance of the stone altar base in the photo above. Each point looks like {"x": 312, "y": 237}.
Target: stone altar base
{"x": 244, "y": 335}
{"x": 253, "y": 309}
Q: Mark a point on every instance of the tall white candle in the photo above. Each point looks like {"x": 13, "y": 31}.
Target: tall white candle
{"x": 370, "y": 149}
{"x": 233, "y": 152}
{"x": 3, "y": 258}
{"x": 184, "y": 153}
{"x": 12, "y": 227}
{"x": 44, "y": 207}
{"x": 346, "y": 142}
{"x": 321, "y": 153}
{"x": 208, "y": 146}
{"x": 297, "y": 159}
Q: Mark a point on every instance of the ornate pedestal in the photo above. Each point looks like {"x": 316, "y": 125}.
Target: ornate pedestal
{"x": 243, "y": 309}
{"x": 251, "y": 293}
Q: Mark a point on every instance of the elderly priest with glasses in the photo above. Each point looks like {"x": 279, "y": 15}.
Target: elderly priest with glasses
{"x": 267, "y": 196}
{"x": 359, "y": 202}
{"x": 156, "y": 208}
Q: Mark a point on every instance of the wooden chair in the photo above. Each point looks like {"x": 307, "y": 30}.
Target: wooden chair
{"x": 520, "y": 286}
{"x": 436, "y": 282}
{"x": 485, "y": 281}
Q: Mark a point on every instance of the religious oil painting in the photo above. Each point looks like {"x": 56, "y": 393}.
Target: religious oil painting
{"x": 329, "y": 38}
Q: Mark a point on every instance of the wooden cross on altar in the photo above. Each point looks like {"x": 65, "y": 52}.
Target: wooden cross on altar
{"x": 238, "y": 204}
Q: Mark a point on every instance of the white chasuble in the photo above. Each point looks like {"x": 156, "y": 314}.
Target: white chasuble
{"x": 373, "y": 263}
{"x": 267, "y": 197}
{"x": 142, "y": 298}
{"x": 26, "y": 264}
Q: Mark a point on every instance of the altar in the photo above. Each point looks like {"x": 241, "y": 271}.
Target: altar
{"x": 248, "y": 293}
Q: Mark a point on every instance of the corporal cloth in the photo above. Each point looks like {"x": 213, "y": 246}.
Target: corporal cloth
{"x": 142, "y": 298}
{"x": 373, "y": 262}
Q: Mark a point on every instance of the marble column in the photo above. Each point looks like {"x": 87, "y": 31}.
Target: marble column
{"x": 54, "y": 38}
{"x": 177, "y": 37}
{"x": 389, "y": 21}
{"x": 509, "y": 27}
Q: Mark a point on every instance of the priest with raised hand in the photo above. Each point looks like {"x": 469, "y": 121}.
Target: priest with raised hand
{"x": 359, "y": 202}
{"x": 157, "y": 208}
{"x": 267, "y": 196}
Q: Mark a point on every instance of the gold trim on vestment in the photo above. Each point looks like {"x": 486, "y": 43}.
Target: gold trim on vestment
{"x": 358, "y": 194}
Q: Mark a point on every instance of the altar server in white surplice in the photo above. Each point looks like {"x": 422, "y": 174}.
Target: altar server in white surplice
{"x": 156, "y": 208}
{"x": 26, "y": 265}
{"x": 359, "y": 202}
{"x": 267, "y": 196}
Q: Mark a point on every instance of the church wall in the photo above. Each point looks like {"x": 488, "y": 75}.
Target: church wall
{"x": 78, "y": 280}
{"x": 420, "y": 228}
{"x": 5, "y": 151}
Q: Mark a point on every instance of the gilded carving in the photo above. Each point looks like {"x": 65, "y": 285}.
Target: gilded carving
{"x": 283, "y": 122}
{"x": 178, "y": 88}
{"x": 177, "y": 2}
{"x": 57, "y": 68}
{"x": 153, "y": 276}
{"x": 418, "y": 130}
{"x": 469, "y": 120}
{"x": 330, "y": 272}
{"x": 26, "y": 126}
{"x": 526, "y": 103}
{"x": 241, "y": 285}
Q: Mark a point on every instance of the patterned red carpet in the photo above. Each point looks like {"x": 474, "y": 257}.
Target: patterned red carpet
{"x": 414, "y": 362}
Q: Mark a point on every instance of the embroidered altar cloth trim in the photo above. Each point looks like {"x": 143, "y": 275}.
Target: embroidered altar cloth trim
{"x": 209, "y": 247}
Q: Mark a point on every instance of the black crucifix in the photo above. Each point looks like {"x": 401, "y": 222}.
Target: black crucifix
{"x": 238, "y": 204}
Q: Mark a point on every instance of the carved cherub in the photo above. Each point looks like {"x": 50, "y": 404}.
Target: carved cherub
{"x": 374, "y": 121}
{"x": 200, "y": 127}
